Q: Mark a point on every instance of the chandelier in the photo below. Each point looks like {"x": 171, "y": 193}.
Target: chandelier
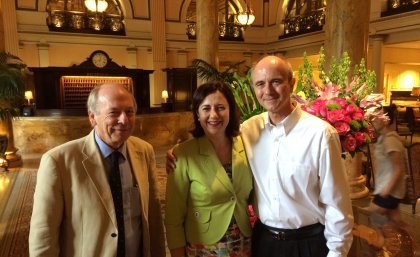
{"x": 96, "y": 5}
{"x": 85, "y": 16}
{"x": 247, "y": 17}
{"x": 233, "y": 20}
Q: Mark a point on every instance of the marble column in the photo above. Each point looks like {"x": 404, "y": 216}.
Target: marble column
{"x": 9, "y": 23}
{"x": 43, "y": 54}
{"x": 158, "y": 50}
{"x": 207, "y": 32}
{"x": 347, "y": 29}
{"x": 182, "y": 58}
{"x": 377, "y": 62}
{"x": 132, "y": 57}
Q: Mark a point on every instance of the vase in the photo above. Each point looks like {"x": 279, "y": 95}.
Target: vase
{"x": 357, "y": 182}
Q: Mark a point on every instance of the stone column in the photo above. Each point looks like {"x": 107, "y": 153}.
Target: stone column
{"x": 207, "y": 32}
{"x": 43, "y": 54}
{"x": 182, "y": 58}
{"x": 132, "y": 57}
{"x": 377, "y": 62}
{"x": 9, "y": 22}
{"x": 347, "y": 29}
{"x": 158, "y": 51}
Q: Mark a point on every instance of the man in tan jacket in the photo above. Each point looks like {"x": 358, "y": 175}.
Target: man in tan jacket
{"x": 74, "y": 213}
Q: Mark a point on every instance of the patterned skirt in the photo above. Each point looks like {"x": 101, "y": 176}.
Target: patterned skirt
{"x": 232, "y": 244}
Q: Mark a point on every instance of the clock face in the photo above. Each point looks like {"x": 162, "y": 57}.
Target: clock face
{"x": 99, "y": 59}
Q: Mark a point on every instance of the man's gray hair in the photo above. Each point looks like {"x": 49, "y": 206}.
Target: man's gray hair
{"x": 92, "y": 101}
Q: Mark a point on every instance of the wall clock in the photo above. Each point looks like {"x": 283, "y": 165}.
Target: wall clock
{"x": 99, "y": 58}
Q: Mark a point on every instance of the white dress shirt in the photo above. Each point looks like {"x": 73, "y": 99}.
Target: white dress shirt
{"x": 299, "y": 176}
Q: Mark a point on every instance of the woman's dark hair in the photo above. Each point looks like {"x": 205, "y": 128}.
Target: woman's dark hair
{"x": 201, "y": 93}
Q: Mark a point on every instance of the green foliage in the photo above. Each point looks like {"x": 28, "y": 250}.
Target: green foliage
{"x": 12, "y": 85}
{"x": 240, "y": 85}
{"x": 361, "y": 84}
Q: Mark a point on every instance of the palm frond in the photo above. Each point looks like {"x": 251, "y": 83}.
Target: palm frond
{"x": 12, "y": 84}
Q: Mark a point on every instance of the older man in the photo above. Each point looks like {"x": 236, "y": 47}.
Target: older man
{"x": 86, "y": 204}
{"x": 302, "y": 197}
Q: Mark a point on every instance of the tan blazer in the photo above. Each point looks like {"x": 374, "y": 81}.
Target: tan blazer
{"x": 73, "y": 212}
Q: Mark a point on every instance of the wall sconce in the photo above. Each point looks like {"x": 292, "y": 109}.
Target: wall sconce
{"x": 96, "y": 5}
{"x": 415, "y": 91}
{"x": 29, "y": 96}
{"x": 165, "y": 95}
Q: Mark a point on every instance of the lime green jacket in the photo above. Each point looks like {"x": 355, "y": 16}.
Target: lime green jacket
{"x": 200, "y": 197}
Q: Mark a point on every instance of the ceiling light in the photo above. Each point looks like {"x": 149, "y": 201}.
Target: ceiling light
{"x": 96, "y": 5}
{"x": 245, "y": 18}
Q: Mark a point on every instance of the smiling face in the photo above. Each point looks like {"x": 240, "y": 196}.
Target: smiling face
{"x": 114, "y": 115}
{"x": 273, "y": 87}
{"x": 213, "y": 114}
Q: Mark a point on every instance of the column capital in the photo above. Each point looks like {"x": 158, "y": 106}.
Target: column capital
{"x": 43, "y": 45}
{"x": 132, "y": 49}
{"x": 181, "y": 51}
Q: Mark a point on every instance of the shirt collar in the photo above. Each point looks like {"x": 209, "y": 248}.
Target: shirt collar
{"x": 289, "y": 122}
{"x": 106, "y": 150}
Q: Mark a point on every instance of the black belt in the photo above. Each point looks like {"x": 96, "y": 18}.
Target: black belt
{"x": 294, "y": 234}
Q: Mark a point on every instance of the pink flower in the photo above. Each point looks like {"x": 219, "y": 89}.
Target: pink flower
{"x": 347, "y": 118}
{"x": 317, "y": 108}
{"x": 352, "y": 109}
{"x": 349, "y": 144}
{"x": 360, "y": 138}
{"x": 342, "y": 102}
{"x": 342, "y": 127}
{"x": 329, "y": 91}
{"x": 335, "y": 115}
{"x": 358, "y": 115}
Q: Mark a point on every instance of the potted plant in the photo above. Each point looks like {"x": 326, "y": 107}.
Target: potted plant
{"x": 12, "y": 86}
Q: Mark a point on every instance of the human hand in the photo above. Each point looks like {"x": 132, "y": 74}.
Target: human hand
{"x": 170, "y": 160}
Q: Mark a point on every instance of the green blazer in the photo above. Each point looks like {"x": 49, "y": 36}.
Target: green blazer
{"x": 200, "y": 197}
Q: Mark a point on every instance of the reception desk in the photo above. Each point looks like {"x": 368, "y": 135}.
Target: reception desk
{"x": 38, "y": 134}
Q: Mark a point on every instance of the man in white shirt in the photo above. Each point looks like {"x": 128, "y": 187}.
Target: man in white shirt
{"x": 301, "y": 191}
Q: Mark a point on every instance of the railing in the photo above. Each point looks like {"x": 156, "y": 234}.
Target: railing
{"x": 400, "y": 6}
{"x": 298, "y": 25}
{"x": 227, "y": 31}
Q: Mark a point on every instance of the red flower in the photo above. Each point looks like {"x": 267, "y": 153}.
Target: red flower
{"x": 360, "y": 138}
{"x": 349, "y": 144}
{"x": 334, "y": 116}
{"x": 342, "y": 128}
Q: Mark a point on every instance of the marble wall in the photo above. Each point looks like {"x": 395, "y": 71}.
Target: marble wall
{"x": 36, "y": 135}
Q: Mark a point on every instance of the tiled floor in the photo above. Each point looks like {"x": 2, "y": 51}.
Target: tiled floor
{"x": 10, "y": 180}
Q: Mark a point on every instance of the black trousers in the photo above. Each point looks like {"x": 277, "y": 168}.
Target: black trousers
{"x": 267, "y": 244}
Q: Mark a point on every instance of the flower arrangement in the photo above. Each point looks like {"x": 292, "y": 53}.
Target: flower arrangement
{"x": 336, "y": 101}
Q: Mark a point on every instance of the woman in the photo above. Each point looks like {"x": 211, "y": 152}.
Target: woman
{"x": 390, "y": 172}
{"x": 208, "y": 194}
